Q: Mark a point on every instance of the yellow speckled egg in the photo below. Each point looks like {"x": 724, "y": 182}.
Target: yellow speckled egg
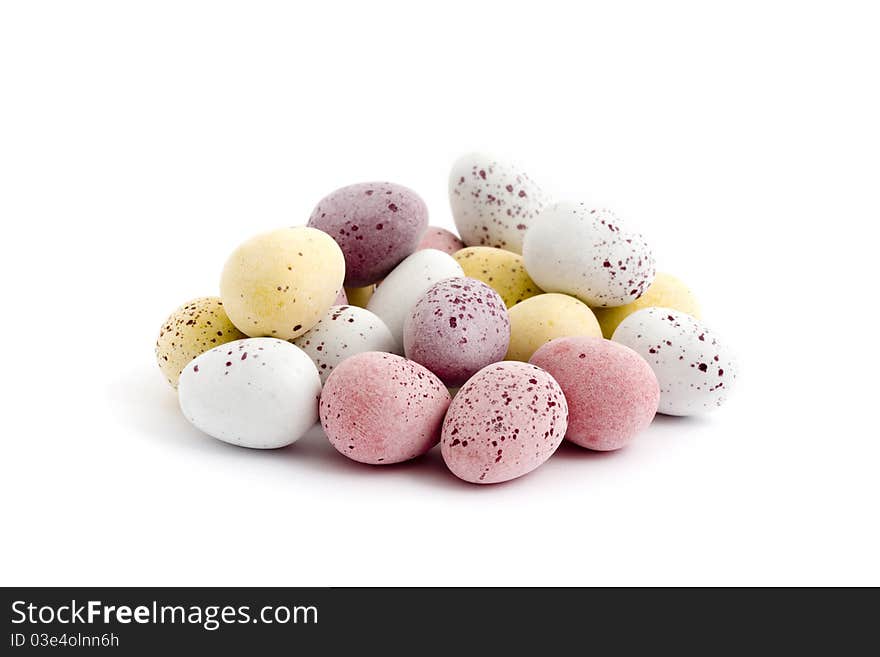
{"x": 279, "y": 284}
{"x": 190, "y": 331}
{"x": 666, "y": 292}
{"x": 359, "y": 296}
{"x": 501, "y": 270}
{"x": 544, "y": 317}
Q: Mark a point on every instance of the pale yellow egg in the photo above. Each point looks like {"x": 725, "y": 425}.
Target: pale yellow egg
{"x": 190, "y": 331}
{"x": 666, "y": 292}
{"x": 359, "y": 296}
{"x": 279, "y": 284}
{"x": 501, "y": 270}
{"x": 544, "y": 317}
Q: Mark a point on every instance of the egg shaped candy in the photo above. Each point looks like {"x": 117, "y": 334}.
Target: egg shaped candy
{"x": 611, "y": 391}
{"x": 504, "y": 422}
{"x": 493, "y": 202}
{"x": 542, "y": 318}
{"x": 359, "y": 296}
{"x": 394, "y": 300}
{"x": 456, "y": 328}
{"x": 343, "y": 332}
{"x": 695, "y": 370}
{"x": 256, "y": 392}
{"x": 341, "y": 298}
{"x": 440, "y": 239}
{"x": 501, "y": 270}
{"x": 380, "y": 408}
{"x": 589, "y": 254}
{"x": 279, "y": 284}
{"x": 666, "y": 292}
{"x": 376, "y": 225}
{"x": 191, "y": 330}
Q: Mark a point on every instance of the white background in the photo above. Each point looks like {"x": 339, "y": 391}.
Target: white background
{"x": 140, "y": 142}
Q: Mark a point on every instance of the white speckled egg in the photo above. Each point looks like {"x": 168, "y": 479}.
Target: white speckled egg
{"x": 493, "y": 202}
{"x": 395, "y": 298}
{"x": 693, "y": 367}
{"x": 343, "y": 332}
{"x": 256, "y": 392}
{"x": 589, "y": 254}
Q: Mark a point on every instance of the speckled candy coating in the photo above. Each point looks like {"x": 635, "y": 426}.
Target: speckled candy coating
{"x": 256, "y": 392}
{"x": 665, "y": 292}
{"x": 395, "y": 298}
{"x": 279, "y": 284}
{"x": 589, "y": 254}
{"x": 376, "y": 224}
{"x": 441, "y": 239}
{"x": 191, "y": 330}
{"x": 457, "y": 327}
{"x": 611, "y": 391}
{"x": 343, "y": 332}
{"x": 695, "y": 370}
{"x": 493, "y": 202}
{"x": 545, "y": 317}
{"x": 502, "y": 270}
{"x": 380, "y": 408}
{"x": 505, "y": 421}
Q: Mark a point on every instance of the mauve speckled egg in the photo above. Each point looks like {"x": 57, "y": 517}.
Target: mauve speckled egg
{"x": 376, "y": 225}
{"x": 493, "y": 202}
{"x": 459, "y": 326}
{"x": 695, "y": 370}
{"x": 611, "y": 391}
{"x": 589, "y": 254}
{"x": 343, "y": 332}
{"x": 504, "y": 422}
{"x": 395, "y": 298}
{"x": 440, "y": 239}
{"x": 380, "y": 408}
{"x": 256, "y": 392}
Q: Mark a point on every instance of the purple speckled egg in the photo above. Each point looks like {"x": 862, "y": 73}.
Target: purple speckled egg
{"x": 504, "y": 422}
{"x": 440, "y": 239}
{"x": 456, "y": 328}
{"x": 375, "y": 224}
{"x": 379, "y": 408}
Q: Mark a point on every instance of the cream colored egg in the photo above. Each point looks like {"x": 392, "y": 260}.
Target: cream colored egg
{"x": 501, "y": 270}
{"x": 279, "y": 284}
{"x": 190, "y": 331}
{"x": 666, "y": 291}
{"x": 359, "y": 296}
{"x": 545, "y": 317}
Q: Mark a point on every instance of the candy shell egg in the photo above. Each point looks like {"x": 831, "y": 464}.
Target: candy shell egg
{"x": 504, "y": 422}
{"x": 394, "y": 300}
{"x": 376, "y": 225}
{"x": 279, "y": 284}
{"x": 456, "y": 328}
{"x": 441, "y": 239}
{"x": 343, "y": 332}
{"x": 692, "y": 364}
{"x": 545, "y": 317}
{"x": 381, "y": 408}
{"x": 666, "y": 292}
{"x": 256, "y": 392}
{"x": 191, "y": 330}
{"x": 589, "y": 254}
{"x": 493, "y": 202}
{"x": 611, "y": 391}
{"x": 359, "y": 296}
{"x": 502, "y": 270}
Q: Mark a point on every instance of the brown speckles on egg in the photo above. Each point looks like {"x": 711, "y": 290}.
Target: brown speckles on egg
{"x": 512, "y": 416}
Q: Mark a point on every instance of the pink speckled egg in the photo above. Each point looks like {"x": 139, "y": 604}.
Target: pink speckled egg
{"x": 341, "y": 298}
{"x": 379, "y": 408}
{"x": 504, "y": 422}
{"x": 611, "y": 390}
{"x": 376, "y": 225}
{"x": 440, "y": 239}
{"x": 457, "y": 327}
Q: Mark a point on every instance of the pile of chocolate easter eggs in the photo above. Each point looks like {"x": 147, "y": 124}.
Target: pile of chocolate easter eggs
{"x": 543, "y": 320}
